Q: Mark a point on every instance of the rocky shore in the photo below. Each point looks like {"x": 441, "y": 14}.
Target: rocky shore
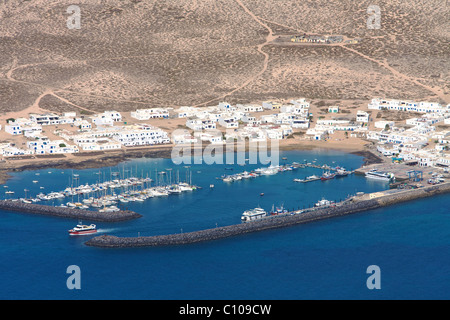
{"x": 62, "y": 212}
{"x": 378, "y": 200}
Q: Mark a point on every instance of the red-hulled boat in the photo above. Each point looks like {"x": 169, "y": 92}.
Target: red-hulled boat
{"x": 327, "y": 176}
{"x": 81, "y": 229}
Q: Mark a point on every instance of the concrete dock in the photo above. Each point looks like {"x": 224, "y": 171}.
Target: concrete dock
{"x": 356, "y": 204}
{"x": 62, "y": 212}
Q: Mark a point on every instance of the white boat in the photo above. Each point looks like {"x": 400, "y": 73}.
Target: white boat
{"x": 253, "y": 214}
{"x": 83, "y": 229}
{"x": 184, "y": 186}
{"x": 379, "y": 175}
{"x": 324, "y": 203}
{"x": 308, "y": 179}
{"x": 270, "y": 170}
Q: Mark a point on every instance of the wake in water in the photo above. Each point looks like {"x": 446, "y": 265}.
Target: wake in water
{"x": 105, "y": 230}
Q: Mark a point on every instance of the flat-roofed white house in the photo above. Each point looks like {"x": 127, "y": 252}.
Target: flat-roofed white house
{"x": 151, "y": 113}
{"x": 333, "y": 109}
{"x": 45, "y": 146}
{"x": 199, "y": 124}
{"x": 13, "y": 128}
{"x": 362, "y": 116}
{"x": 249, "y": 108}
{"x": 271, "y": 105}
{"x": 141, "y": 136}
{"x": 212, "y": 136}
{"x": 229, "y": 123}
{"x": 82, "y": 124}
{"x": 102, "y": 120}
{"x": 300, "y": 123}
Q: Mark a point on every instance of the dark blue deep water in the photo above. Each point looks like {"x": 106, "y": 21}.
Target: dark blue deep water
{"x": 322, "y": 260}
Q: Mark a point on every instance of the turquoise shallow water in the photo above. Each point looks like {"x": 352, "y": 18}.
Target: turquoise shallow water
{"x": 321, "y": 260}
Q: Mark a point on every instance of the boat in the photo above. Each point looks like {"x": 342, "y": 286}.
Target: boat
{"x": 81, "y": 229}
{"x": 341, "y": 172}
{"x": 253, "y": 214}
{"x": 278, "y": 210}
{"x": 327, "y": 176}
{"x": 379, "y": 175}
{"x": 270, "y": 170}
{"x": 308, "y": 179}
{"x": 324, "y": 203}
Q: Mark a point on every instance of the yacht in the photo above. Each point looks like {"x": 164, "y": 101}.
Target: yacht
{"x": 253, "y": 214}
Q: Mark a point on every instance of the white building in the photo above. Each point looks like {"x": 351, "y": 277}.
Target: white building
{"x": 229, "y": 123}
{"x": 82, "y": 124}
{"x": 271, "y": 105}
{"x": 141, "y": 136}
{"x": 106, "y": 118}
{"x": 212, "y": 136}
{"x": 249, "y": 108}
{"x": 411, "y": 106}
{"x": 362, "y": 116}
{"x": 199, "y": 124}
{"x": 152, "y": 113}
{"x": 6, "y": 150}
{"x": 46, "y": 146}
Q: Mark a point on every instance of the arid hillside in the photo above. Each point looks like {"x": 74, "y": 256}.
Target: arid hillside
{"x": 132, "y": 54}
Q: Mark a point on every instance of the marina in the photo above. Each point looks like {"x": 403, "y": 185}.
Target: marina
{"x": 105, "y": 196}
{"x": 173, "y": 221}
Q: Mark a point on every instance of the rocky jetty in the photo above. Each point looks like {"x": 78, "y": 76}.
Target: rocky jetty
{"x": 62, "y": 212}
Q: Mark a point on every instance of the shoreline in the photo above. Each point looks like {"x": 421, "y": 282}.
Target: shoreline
{"x": 90, "y": 160}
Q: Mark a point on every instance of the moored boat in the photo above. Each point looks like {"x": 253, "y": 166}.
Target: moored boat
{"x": 327, "y": 176}
{"x": 253, "y": 214}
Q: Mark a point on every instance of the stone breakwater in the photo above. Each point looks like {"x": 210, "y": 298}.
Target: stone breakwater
{"x": 352, "y": 206}
{"x": 67, "y": 212}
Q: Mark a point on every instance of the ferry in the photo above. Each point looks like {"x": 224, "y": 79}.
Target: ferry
{"x": 378, "y": 175}
{"x": 81, "y": 229}
{"x": 253, "y": 214}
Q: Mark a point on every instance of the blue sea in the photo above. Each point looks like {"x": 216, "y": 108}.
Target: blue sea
{"x": 409, "y": 242}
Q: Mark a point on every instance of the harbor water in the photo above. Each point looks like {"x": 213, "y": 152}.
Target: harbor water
{"x": 327, "y": 259}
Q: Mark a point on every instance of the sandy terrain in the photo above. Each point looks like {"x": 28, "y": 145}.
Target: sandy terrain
{"x": 136, "y": 54}
{"x": 131, "y": 54}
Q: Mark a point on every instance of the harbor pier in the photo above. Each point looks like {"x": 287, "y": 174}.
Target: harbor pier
{"x": 353, "y": 205}
{"x": 62, "y": 212}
